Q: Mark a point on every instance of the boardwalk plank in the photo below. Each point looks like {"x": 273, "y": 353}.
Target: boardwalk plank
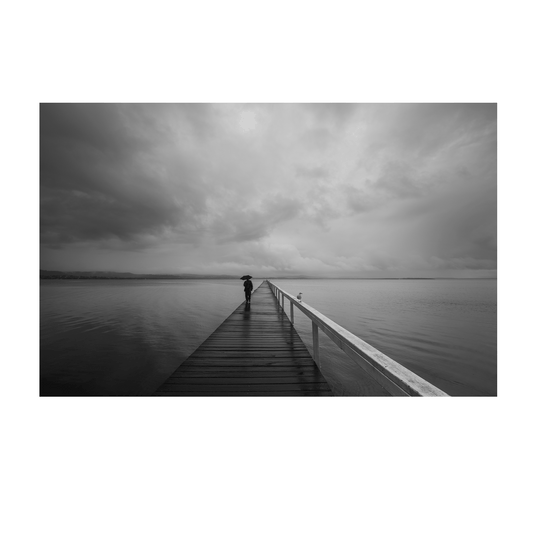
{"x": 245, "y": 363}
{"x": 233, "y": 380}
{"x": 256, "y": 387}
{"x": 248, "y": 393}
{"x": 252, "y": 373}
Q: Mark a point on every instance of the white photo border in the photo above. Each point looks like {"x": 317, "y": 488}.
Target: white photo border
{"x": 30, "y": 96}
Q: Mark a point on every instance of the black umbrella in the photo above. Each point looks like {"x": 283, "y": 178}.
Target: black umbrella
{"x": 246, "y": 277}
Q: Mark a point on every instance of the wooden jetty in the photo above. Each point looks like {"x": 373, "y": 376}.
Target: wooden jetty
{"x": 257, "y": 352}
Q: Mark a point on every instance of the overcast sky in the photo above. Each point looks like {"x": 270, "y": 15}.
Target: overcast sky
{"x": 270, "y": 189}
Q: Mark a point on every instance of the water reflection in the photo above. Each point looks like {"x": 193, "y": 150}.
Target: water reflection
{"x": 443, "y": 330}
{"x": 118, "y": 337}
{"x": 109, "y": 337}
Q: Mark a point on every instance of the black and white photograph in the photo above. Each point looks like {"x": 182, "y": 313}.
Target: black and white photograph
{"x": 323, "y": 249}
{"x": 266, "y": 267}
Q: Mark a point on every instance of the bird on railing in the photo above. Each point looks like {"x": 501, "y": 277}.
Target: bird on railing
{"x": 299, "y": 297}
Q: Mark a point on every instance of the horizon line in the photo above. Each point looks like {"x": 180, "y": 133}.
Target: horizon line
{"x": 229, "y": 276}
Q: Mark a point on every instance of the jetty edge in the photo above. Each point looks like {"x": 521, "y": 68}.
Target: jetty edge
{"x": 392, "y": 376}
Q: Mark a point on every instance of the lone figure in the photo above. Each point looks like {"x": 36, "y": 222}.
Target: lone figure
{"x": 248, "y": 288}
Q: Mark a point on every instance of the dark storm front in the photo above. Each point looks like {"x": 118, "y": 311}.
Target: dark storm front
{"x": 105, "y": 337}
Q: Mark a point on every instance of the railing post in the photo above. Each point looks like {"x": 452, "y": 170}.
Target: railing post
{"x": 282, "y": 301}
{"x": 315, "y": 344}
{"x": 292, "y": 312}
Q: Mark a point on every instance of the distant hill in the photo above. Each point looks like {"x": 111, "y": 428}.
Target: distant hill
{"x": 58, "y": 274}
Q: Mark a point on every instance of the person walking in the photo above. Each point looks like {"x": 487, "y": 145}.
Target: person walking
{"x": 248, "y": 288}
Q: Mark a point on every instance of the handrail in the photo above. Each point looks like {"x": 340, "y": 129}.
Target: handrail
{"x": 392, "y": 376}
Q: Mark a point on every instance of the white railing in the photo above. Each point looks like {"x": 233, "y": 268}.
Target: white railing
{"x": 393, "y": 377}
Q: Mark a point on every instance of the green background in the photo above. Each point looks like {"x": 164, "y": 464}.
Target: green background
{"x": 265, "y": 473}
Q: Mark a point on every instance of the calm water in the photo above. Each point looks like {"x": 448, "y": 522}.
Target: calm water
{"x": 124, "y": 337}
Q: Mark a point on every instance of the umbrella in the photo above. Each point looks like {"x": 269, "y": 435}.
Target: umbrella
{"x": 246, "y": 277}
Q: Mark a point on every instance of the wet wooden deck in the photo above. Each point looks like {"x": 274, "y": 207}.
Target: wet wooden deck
{"x": 255, "y": 352}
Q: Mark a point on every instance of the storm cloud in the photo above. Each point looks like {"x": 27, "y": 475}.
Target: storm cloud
{"x": 277, "y": 189}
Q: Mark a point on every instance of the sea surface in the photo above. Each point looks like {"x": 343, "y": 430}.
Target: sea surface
{"x": 125, "y": 337}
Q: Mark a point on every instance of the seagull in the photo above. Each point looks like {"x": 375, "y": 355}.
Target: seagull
{"x": 299, "y": 297}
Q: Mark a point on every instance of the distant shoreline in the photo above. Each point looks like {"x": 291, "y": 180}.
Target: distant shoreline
{"x": 54, "y": 274}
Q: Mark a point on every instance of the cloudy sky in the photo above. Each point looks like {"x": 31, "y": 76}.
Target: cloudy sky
{"x": 335, "y": 190}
